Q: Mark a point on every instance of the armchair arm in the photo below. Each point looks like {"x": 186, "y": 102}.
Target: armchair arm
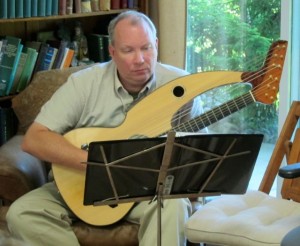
{"x": 20, "y": 172}
{"x": 290, "y": 171}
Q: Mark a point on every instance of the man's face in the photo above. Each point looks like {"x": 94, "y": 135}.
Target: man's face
{"x": 135, "y": 53}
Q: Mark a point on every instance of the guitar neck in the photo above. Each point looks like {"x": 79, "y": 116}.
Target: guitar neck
{"x": 214, "y": 115}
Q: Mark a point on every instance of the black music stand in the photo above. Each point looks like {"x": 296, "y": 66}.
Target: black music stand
{"x": 154, "y": 169}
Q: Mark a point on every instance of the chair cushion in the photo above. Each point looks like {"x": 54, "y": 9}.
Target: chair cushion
{"x": 251, "y": 219}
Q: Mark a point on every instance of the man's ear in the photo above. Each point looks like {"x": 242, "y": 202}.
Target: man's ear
{"x": 111, "y": 50}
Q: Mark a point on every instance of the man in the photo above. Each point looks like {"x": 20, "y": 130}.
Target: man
{"x": 98, "y": 96}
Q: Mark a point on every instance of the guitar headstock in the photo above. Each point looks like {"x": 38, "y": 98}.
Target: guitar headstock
{"x": 266, "y": 80}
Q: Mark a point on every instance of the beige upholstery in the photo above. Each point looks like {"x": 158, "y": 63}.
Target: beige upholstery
{"x": 255, "y": 218}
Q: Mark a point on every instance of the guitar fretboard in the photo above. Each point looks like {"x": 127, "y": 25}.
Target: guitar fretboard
{"x": 208, "y": 118}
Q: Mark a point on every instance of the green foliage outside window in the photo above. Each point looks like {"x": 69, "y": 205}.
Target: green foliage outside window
{"x": 234, "y": 35}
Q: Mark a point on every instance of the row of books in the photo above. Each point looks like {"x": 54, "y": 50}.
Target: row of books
{"x": 10, "y": 9}
{"x": 85, "y": 6}
{"x": 18, "y": 62}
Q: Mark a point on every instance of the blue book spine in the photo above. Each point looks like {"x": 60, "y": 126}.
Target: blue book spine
{"x": 27, "y": 8}
{"x": 19, "y": 9}
{"x": 48, "y": 7}
{"x": 34, "y": 8}
{"x": 55, "y": 7}
{"x": 11, "y": 9}
{"x": 42, "y": 7}
{"x": 3, "y": 9}
{"x": 130, "y": 4}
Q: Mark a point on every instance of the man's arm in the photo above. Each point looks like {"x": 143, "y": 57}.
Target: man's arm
{"x": 52, "y": 147}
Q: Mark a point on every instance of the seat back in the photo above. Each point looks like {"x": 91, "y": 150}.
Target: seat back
{"x": 291, "y": 187}
{"x": 287, "y": 145}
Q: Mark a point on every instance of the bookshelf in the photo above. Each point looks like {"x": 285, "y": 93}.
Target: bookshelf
{"x": 26, "y": 28}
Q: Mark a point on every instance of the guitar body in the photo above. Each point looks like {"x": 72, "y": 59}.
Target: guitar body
{"x": 149, "y": 118}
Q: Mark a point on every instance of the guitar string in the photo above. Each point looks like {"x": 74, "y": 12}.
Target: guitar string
{"x": 252, "y": 77}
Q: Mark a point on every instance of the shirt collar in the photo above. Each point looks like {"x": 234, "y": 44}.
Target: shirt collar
{"x": 150, "y": 86}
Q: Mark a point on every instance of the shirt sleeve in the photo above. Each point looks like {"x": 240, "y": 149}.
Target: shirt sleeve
{"x": 62, "y": 112}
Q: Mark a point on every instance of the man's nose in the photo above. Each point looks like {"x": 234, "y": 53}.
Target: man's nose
{"x": 139, "y": 56}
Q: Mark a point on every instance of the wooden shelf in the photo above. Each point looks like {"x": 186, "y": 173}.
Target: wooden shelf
{"x": 62, "y": 17}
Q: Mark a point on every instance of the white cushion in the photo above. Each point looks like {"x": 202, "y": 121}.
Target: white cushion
{"x": 251, "y": 219}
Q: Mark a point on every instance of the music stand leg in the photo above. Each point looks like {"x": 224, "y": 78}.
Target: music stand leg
{"x": 159, "y": 207}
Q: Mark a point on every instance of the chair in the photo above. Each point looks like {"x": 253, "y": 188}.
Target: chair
{"x": 256, "y": 218}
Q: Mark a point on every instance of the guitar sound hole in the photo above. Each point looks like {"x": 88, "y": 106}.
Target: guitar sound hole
{"x": 113, "y": 205}
{"x": 178, "y": 91}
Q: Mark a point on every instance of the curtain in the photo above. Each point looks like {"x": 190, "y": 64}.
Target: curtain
{"x": 169, "y": 17}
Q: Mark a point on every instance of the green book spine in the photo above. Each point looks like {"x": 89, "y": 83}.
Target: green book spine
{"x": 34, "y": 8}
{"x": 27, "y": 8}
{"x": 54, "y": 7}
{"x": 3, "y": 9}
{"x": 19, "y": 8}
{"x": 19, "y": 71}
{"x": 11, "y": 9}
{"x": 98, "y": 44}
{"x": 42, "y": 7}
{"x": 8, "y": 61}
{"x": 48, "y": 7}
{"x": 28, "y": 68}
{"x": 14, "y": 69}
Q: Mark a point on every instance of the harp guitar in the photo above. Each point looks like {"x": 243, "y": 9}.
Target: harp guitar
{"x": 155, "y": 121}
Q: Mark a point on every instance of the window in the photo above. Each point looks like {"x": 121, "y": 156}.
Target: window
{"x": 234, "y": 35}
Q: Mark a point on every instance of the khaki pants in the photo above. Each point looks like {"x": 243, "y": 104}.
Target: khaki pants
{"x": 42, "y": 218}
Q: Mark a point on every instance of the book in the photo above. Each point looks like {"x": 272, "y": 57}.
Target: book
{"x": 20, "y": 68}
{"x": 67, "y": 59}
{"x": 53, "y": 58}
{"x": 77, "y": 6}
{"x": 14, "y": 69}
{"x": 8, "y": 124}
{"x": 62, "y": 7}
{"x": 8, "y": 62}
{"x": 48, "y": 7}
{"x": 27, "y": 8}
{"x": 2, "y": 48}
{"x": 104, "y": 5}
{"x": 130, "y": 4}
{"x": 3, "y": 9}
{"x": 98, "y": 43}
{"x": 95, "y": 5}
{"x": 60, "y": 54}
{"x": 123, "y": 4}
{"x": 55, "y": 4}
{"x": 115, "y": 4}
{"x": 34, "y": 8}
{"x": 19, "y": 8}
{"x": 86, "y": 6}
{"x": 41, "y": 57}
{"x": 27, "y": 72}
{"x": 42, "y": 7}
{"x": 34, "y": 45}
{"x": 69, "y": 7}
{"x": 11, "y": 9}
{"x": 46, "y": 63}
